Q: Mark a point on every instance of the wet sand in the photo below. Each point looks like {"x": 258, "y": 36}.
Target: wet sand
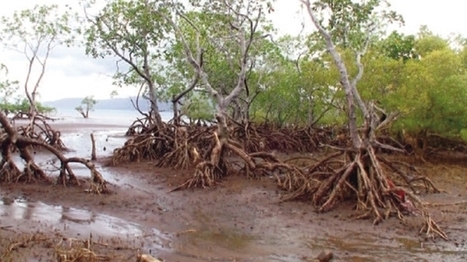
{"x": 239, "y": 220}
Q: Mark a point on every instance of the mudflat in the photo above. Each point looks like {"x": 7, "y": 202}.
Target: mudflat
{"x": 240, "y": 219}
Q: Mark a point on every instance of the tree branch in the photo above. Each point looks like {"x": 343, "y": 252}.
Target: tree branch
{"x": 189, "y": 55}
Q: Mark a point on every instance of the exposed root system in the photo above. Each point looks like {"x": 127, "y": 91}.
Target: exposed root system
{"x": 184, "y": 154}
{"x": 380, "y": 188}
{"x": 364, "y": 177}
{"x": 360, "y": 175}
{"x": 153, "y": 144}
{"x": 181, "y": 146}
{"x": 9, "y": 171}
{"x": 38, "y": 129}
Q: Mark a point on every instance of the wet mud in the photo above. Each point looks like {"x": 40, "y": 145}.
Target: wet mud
{"x": 239, "y": 220}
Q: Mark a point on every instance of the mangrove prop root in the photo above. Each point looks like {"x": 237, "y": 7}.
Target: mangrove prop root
{"x": 173, "y": 145}
{"x": 430, "y": 227}
{"x": 184, "y": 153}
{"x": 206, "y": 175}
{"x": 152, "y": 144}
{"x": 359, "y": 175}
{"x": 427, "y": 183}
{"x": 9, "y": 172}
{"x": 40, "y": 130}
{"x": 363, "y": 179}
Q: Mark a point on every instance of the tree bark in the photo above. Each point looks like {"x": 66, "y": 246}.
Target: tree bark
{"x": 155, "y": 113}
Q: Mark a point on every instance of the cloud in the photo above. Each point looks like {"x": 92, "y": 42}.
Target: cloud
{"x": 73, "y": 62}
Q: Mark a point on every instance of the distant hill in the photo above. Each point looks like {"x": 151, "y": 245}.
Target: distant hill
{"x": 107, "y": 104}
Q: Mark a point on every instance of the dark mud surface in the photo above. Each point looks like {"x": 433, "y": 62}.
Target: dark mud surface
{"x": 239, "y": 220}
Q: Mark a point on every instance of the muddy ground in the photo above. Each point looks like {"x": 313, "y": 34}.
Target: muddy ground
{"x": 239, "y": 220}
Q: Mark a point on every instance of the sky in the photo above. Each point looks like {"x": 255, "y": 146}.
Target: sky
{"x": 70, "y": 73}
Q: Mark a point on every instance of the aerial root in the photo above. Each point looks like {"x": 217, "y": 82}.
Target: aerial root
{"x": 9, "y": 171}
{"x": 363, "y": 179}
{"x": 32, "y": 173}
{"x": 98, "y": 184}
{"x": 144, "y": 146}
{"x": 431, "y": 228}
{"x": 184, "y": 155}
{"x": 40, "y": 130}
{"x": 206, "y": 175}
{"x": 11, "y": 140}
{"x": 346, "y": 174}
{"x": 168, "y": 144}
{"x": 427, "y": 183}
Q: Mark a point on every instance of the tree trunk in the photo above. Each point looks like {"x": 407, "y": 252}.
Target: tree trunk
{"x": 32, "y": 112}
{"x": 344, "y": 79}
{"x": 83, "y": 114}
{"x": 155, "y": 114}
{"x": 93, "y": 148}
{"x": 176, "y": 117}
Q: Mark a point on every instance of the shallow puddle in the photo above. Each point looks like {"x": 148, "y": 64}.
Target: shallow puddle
{"x": 106, "y": 142}
{"x": 80, "y": 145}
{"x": 72, "y": 222}
{"x": 373, "y": 247}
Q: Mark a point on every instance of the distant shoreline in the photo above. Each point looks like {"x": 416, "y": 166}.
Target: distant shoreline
{"x": 65, "y": 126}
{"x": 107, "y": 104}
{"x": 69, "y": 121}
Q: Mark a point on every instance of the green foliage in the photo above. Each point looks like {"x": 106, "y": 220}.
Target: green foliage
{"x": 7, "y": 88}
{"x": 351, "y": 22}
{"x": 434, "y": 94}
{"x": 429, "y": 42}
{"x": 42, "y": 109}
{"x": 21, "y": 105}
{"x": 113, "y": 94}
{"x": 382, "y": 78}
{"x": 216, "y": 30}
{"x": 291, "y": 80}
{"x": 398, "y": 46}
{"x": 463, "y": 56}
{"x": 198, "y": 107}
{"x": 43, "y": 26}
{"x": 300, "y": 96}
{"x": 135, "y": 33}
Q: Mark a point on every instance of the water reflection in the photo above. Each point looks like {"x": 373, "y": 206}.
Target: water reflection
{"x": 74, "y": 220}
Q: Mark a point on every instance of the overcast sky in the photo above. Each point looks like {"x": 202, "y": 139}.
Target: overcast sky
{"x": 71, "y": 74}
